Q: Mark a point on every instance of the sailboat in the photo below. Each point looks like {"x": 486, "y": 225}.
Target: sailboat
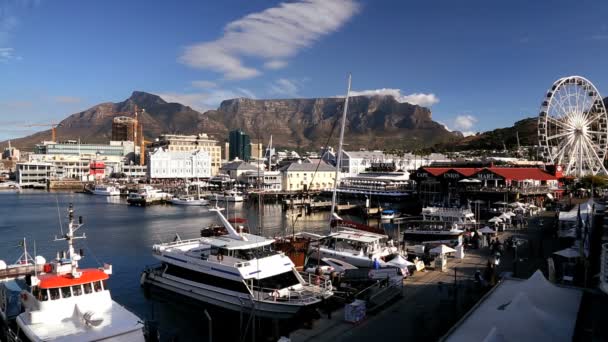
{"x": 190, "y": 200}
{"x": 357, "y": 247}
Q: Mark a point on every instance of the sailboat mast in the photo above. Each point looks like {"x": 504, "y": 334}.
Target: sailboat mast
{"x": 339, "y": 158}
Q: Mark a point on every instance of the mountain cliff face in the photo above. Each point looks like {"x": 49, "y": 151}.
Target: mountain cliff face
{"x": 372, "y": 122}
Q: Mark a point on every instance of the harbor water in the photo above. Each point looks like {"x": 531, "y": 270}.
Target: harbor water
{"x": 122, "y": 235}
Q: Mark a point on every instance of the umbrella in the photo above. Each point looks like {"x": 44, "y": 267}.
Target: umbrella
{"x": 532, "y": 206}
{"x": 568, "y": 253}
{"x": 510, "y": 213}
{"x": 504, "y": 216}
{"x": 487, "y": 230}
{"x": 443, "y": 249}
{"x": 479, "y": 202}
{"x": 495, "y": 220}
{"x": 469, "y": 180}
{"x": 515, "y": 204}
{"x": 501, "y": 203}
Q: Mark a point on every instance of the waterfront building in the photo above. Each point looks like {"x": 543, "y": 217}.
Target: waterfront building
{"x": 236, "y": 168}
{"x": 72, "y": 147}
{"x": 355, "y": 162}
{"x": 68, "y": 166}
{"x": 34, "y": 174}
{"x": 124, "y": 128}
{"x": 11, "y": 153}
{"x": 179, "y": 164}
{"x": 135, "y": 171}
{"x": 240, "y": 145}
{"x": 269, "y": 180}
{"x": 189, "y": 143}
{"x": 300, "y": 176}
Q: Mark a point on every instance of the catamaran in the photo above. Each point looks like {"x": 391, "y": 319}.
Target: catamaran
{"x": 64, "y": 302}
{"x": 236, "y": 271}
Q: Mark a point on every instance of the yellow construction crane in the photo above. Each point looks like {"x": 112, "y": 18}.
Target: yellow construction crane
{"x": 53, "y": 129}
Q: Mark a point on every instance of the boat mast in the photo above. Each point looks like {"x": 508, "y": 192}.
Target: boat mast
{"x": 339, "y": 158}
{"x": 69, "y": 236}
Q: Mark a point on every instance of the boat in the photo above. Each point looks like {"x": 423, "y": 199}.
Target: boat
{"x": 229, "y": 196}
{"x": 9, "y": 186}
{"x": 105, "y": 190}
{"x": 189, "y": 200}
{"x": 146, "y": 195}
{"x": 64, "y": 302}
{"x": 460, "y": 216}
{"x": 358, "y": 248}
{"x": 236, "y": 271}
{"x": 387, "y": 214}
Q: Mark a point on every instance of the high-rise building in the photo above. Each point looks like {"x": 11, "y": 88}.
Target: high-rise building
{"x": 240, "y": 145}
{"x": 189, "y": 143}
{"x": 124, "y": 128}
{"x": 257, "y": 150}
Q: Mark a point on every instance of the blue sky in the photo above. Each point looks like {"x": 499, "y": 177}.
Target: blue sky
{"x": 478, "y": 64}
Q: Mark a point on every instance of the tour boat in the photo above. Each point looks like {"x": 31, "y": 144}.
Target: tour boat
{"x": 64, "y": 302}
{"x": 236, "y": 271}
{"x": 356, "y": 247}
{"x": 106, "y": 190}
{"x": 230, "y": 196}
{"x": 189, "y": 200}
{"x": 146, "y": 195}
{"x": 460, "y": 216}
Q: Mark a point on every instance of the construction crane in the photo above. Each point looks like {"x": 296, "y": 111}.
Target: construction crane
{"x": 53, "y": 129}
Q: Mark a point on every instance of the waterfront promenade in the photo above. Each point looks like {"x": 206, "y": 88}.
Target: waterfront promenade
{"x": 429, "y": 306}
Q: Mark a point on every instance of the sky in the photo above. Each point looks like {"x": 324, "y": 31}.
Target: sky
{"x": 478, "y": 65}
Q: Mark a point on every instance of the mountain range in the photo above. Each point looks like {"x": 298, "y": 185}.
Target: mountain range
{"x": 374, "y": 122}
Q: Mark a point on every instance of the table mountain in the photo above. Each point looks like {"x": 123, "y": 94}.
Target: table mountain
{"x": 372, "y": 122}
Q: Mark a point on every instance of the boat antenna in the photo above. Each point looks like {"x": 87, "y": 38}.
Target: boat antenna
{"x": 59, "y": 214}
{"x": 69, "y": 236}
{"x": 339, "y": 157}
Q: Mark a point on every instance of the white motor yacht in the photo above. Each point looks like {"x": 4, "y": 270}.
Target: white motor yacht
{"x": 189, "y": 200}
{"x": 235, "y": 271}
{"x": 106, "y": 190}
{"x": 147, "y": 195}
{"x": 230, "y": 196}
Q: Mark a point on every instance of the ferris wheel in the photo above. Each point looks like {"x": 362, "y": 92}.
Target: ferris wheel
{"x": 572, "y": 127}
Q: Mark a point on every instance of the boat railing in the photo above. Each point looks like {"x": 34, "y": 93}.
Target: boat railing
{"x": 315, "y": 288}
{"x": 179, "y": 242}
{"x": 17, "y": 271}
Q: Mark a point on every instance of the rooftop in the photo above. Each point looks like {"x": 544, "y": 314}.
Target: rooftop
{"x": 308, "y": 167}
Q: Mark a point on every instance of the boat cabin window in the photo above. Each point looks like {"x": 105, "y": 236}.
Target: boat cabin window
{"x": 97, "y": 286}
{"x": 66, "y": 292}
{"x": 105, "y": 284}
{"x": 87, "y": 288}
{"x": 77, "y": 290}
{"x": 54, "y": 293}
{"x": 279, "y": 281}
{"x": 40, "y": 294}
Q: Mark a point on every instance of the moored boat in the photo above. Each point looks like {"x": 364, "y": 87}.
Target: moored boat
{"x": 105, "y": 190}
{"x": 235, "y": 271}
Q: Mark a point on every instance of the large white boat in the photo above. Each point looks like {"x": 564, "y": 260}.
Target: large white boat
{"x": 106, "y": 190}
{"x": 67, "y": 303}
{"x": 147, "y": 195}
{"x": 459, "y": 216}
{"x": 230, "y": 196}
{"x": 235, "y": 271}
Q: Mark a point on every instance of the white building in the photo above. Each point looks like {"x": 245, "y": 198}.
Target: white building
{"x": 34, "y": 174}
{"x": 135, "y": 171}
{"x": 237, "y": 168}
{"x": 174, "y": 164}
{"x": 69, "y": 166}
{"x": 355, "y": 162}
{"x": 271, "y": 180}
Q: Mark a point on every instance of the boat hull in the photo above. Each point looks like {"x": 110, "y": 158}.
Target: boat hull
{"x": 105, "y": 193}
{"x": 431, "y": 235}
{"x": 240, "y": 302}
{"x": 189, "y": 203}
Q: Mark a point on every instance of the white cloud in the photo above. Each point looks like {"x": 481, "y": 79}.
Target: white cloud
{"x": 284, "y": 87}
{"x": 468, "y": 133}
{"x": 67, "y": 99}
{"x": 271, "y": 35}
{"x": 275, "y": 64}
{"x": 424, "y": 100}
{"x": 7, "y": 54}
{"x": 204, "y": 84}
{"x": 464, "y": 122}
{"x": 203, "y": 101}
